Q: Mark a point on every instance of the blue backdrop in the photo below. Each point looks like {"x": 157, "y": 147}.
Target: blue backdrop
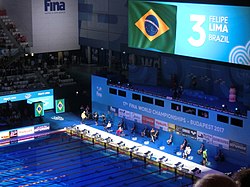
{"x": 231, "y": 138}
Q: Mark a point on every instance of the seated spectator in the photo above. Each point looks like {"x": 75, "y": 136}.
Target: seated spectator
{"x": 201, "y": 149}
{"x": 187, "y": 151}
{"x": 119, "y": 131}
{"x": 215, "y": 180}
{"x": 242, "y": 177}
{"x": 103, "y": 119}
{"x": 108, "y": 126}
{"x": 183, "y": 145}
{"x": 95, "y": 117}
{"x": 144, "y": 132}
{"x": 170, "y": 140}
{"x": 152, "y": 132}
{"x": 155, "y": 135}
{"x": 122, "y": 124}
{"x": 219, "y": 156}
{"x": 133, "y": 129}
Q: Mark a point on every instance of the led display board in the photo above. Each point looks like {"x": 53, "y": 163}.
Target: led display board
{"x": 215, "y": 32}
{"x": 46, "y": 96}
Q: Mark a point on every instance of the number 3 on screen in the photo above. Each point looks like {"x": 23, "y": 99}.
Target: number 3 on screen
{"x": 199, "y": 19}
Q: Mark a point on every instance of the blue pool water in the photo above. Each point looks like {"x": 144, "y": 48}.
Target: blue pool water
{"x": 59, "y": 160}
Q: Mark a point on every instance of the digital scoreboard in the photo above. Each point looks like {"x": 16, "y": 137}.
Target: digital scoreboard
{"x": 214, "y": 32}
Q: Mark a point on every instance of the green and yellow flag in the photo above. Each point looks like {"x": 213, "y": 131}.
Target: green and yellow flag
{"x": 38, "y": 107}
{"x": 60, "y": 106}
{"x": 152, "y": 26}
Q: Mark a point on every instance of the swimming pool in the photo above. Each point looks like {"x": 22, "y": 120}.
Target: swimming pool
{"x": 60, "y": 160}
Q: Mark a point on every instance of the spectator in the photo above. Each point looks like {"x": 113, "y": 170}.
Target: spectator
{"x": 215, "y": 180}
{"x": 119, "y": 131}
{"x": 108, "y": 126}
{"x": 170, "y": 140}
{"x": 220, "y": 156}
{"x": 144, "y": 132}
{"x": 155, "y": 135}
{"x": 133, "y": 129}
{"x": 96, "y": 117}
{"x": 187, "y": 151}
{"x": 183, "y": 145}
{"x": 242, "y": 178}
{"x": 201, "y": 149}
{"x": 152, "y": 132}
{"x": 122, "y": 123}
{"x": 103, "y": 117}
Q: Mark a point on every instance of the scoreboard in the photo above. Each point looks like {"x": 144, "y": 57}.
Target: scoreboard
{"x": 214, "y": 32}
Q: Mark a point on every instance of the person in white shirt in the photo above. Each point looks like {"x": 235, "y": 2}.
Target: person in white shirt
{"x": 187, "y": 151}
{"x": 108, "y": 126}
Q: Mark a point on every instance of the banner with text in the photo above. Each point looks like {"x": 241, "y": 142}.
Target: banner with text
{"x": 215, "y": 32}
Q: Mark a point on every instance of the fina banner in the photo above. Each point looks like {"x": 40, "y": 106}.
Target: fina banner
{"x": 215, "y": 32}
{"x": 38, "y": 108}
{"x": 60, "y": 106}
{"x": 54, "y": 25}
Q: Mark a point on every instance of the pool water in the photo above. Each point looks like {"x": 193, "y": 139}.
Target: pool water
{"x": 60, "y": 160}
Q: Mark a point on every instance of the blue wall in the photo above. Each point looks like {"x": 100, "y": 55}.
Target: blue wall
{"x": 232, "y": 139}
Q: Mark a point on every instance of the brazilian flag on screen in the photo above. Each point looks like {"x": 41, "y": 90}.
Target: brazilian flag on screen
{"x": 38, "y": 107}
{"x": 152, "y": 26}
{"x": 60, "y": 106}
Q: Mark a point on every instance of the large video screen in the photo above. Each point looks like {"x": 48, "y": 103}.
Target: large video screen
{"x": 45, "y": 96}
{"x": 214, "y": 32}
